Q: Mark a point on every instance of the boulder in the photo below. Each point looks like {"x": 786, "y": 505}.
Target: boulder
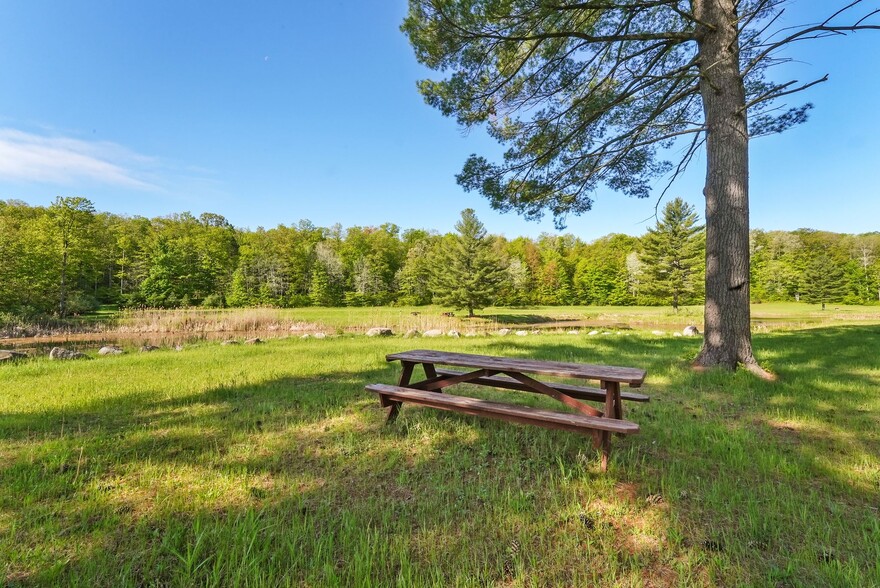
{"x": 110, "y": 350}
{"x": 62, "y": 353}
{"x": 148, "y": 348}
{"x": 379, "y": 332}
{"x": 433, "y": 333}
{"x": 8, "y": 355}
{"x": 253, "y": 341}
{"x": 690, "y": 331}
{"x": 410, "y": 334}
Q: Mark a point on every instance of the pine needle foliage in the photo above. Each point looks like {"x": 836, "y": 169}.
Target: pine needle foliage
{"x": 467, "y": 272}
{"x": 672, "y": 255}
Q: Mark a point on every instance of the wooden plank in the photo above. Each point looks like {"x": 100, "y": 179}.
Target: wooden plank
{"x": 631, "y": 376}
{"x": 580, "y": 392}
{"x": 542, "y": 388}
{"x": 578, "y": 423}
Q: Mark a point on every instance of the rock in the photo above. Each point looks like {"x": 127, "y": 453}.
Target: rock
{"x": 676, "y": 334}
{"x": 503, "y": 332}
{"x": 320, "y": 335}
{"x": 148, "y": 348}
{"x": 178, "y": 347}
{"x": 574, "y": 332}
{"x": 521, "y": 333}
{"x": 61, "y": 353}
{"x": 453, "y": 333}
{"x": 470, "y": 334}
{"x": 410, "y": 334}
{"x": 305, "y": 336}
{"x": 591, "y": 333}
{"x": 8, "y": 355}
{"x": 253, "y": 341}
{"x": 433, "y": 333}
{"x": 379, "y": 332}
{"x": 535, "y": 332}
{"x": 110, "y": 350}
{"x": 606, "y": 332}
{"x": 690, "y": 331}
{"x": 229, "y": 342}
{"x": 658, "y": 333}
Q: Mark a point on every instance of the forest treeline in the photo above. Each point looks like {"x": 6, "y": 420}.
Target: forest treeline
{"x": 68, "y": 258}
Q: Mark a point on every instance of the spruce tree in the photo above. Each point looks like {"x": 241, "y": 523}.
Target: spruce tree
{"x": 825, "y": 280}
{"x": 671, "y": 255}
{"x": 467, "y": 274}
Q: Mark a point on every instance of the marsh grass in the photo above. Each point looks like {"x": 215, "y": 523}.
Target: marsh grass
{"x": 270, "y": 466}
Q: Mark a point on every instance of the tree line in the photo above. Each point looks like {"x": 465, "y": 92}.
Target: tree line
{"x": 67, "y": 258}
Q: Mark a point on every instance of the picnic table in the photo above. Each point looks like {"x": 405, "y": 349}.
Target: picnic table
{"x": 517, "y": 374}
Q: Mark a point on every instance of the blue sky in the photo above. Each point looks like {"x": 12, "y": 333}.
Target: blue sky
{"x": 272, "y": 112}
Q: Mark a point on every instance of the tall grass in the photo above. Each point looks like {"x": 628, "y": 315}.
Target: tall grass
{"x": 270, "y": 466}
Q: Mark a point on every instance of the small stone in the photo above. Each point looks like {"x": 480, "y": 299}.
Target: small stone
{"x": 320, "y": 335}
{"x": 379, "y": 332}
{"x": 591, "y": 333}
{"x": 433, "y": 333}
{"x": 110, "y": 350}
{"x": 61, "y": 353}
{"x": 453, "y": 333}
{"x": 305, "y": 336}
{"x": 574, "y": 332}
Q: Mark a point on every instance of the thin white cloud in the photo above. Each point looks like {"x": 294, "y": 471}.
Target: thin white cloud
{"x": 26, "y": 157}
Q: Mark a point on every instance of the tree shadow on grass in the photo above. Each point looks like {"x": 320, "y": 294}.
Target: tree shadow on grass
{"x": 295, "y": 480}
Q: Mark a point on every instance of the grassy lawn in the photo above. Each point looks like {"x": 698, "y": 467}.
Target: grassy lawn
{"x": 270, "y": 466}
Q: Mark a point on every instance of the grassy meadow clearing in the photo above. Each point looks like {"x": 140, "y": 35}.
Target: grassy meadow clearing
{"x": 269, "y": 465}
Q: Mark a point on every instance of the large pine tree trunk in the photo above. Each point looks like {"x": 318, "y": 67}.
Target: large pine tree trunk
{"x": 727, "y": 339}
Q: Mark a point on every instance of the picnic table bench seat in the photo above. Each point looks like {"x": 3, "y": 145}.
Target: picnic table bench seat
{"x": 580, "y": 392}
{"x": 550, "y": 419}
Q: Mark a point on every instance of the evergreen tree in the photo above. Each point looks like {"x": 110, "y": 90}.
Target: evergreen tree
{"x": 824, "y": 280}
{"x": 468, "y": 273}
{"x": 672, "y": 251}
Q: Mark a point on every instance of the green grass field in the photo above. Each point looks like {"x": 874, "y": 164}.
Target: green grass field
{"x": 270, "y": 466}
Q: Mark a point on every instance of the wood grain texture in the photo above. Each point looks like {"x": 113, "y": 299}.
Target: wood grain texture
{"x": 520, "y": 414}
{"x": 634, "y": 377}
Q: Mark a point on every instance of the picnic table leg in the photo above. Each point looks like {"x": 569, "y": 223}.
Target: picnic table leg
{"x": 606, "y": 449}
{"x": 393, "y": 406}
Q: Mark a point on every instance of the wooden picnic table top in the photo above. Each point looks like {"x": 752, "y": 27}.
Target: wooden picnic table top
{"x": 632, "y": 376}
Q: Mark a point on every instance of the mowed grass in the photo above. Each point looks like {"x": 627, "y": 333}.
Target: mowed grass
{"x": 269, "y": 465}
